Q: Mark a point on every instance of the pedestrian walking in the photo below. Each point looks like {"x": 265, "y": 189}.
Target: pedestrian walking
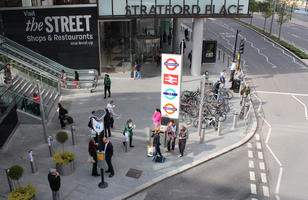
{"x": 36, "y": 104}
{"x": 183, "y": 136}
{"x": 76, "y": 80}
{"x": 7, "y": 74}
{"x": 156, "y": 142}
{"x": 156, "y": 119}
{"x": 107, "y": 121}
{"x": 184, "y": 46}
{"x": 138, "y": 68}
{"x": 63, "y": 79}
{"x": 223, "y": 75}
{"x": 110, "y": 107}
{"x": 54, "y": 183}
{"x": 107, "y": 85}
{"x": 62, "y": 112}
{"x": 190, "y": 58}
{"x": 171, "y": 136}
{"x": 135, "y": 70}
{"x": 108, "y": 149}
{"x": 92, "y": 152}
{"x": 128, "y": 132}
{"x": 238, "y": 77}
{"x": 245, "y": 92}
{"x": 232, "y": 68}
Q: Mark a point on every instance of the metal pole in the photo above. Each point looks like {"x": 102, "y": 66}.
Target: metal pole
{"x": 49, "y": 139}
{"x": 201, "y": 106}
{"x": 42, "y": 111}
{"x": 73, "y": 130}
{"x": 235, "y": 44}
{"x": 246, "y": 110}
{"x": 229, "y": 61}
{"x": 32, "y": 164}
{"x": 219, "y": 54}
{"x": 223, "y": 57}
{"x": 219, "y": 126}
{"x": 9, "y": 179}
{"x": 203, "y": 134}
{"x": 182, "y": 47}
{"x": 235, "y": 118}
{"x": 273, "y": 16}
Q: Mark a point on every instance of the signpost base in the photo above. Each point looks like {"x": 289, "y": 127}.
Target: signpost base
{"x": 102, "y": 184}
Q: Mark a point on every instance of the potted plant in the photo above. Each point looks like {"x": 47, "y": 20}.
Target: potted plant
{"x": 15, "y": 172}
{"x": 64, "y": 160}
{"x": 23, "y": 193}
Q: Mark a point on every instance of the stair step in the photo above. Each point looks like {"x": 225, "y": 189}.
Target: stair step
{"x": 50, "y": 98}
{"x": 46, "y": 95}
{"x": 27, "y": 87}
{"x": 22, "y": 87}
{"x": 17, "y": 85}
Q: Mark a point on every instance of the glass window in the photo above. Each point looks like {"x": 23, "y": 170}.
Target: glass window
{"x": 202, "y": 4}
{"x": 134, "y": 3}
{"x": 231, "y": 9}
{"x": 218, "y": 5}
{"x": 162, "y": 9}
{"x": 119, "y": 7}
{"x": 105, "y": 7}
{"x": 244, "y": 8}
{"x": 148, "y": 4}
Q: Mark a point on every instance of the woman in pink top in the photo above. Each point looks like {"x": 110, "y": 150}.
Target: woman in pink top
{"x": 156, "y": 119}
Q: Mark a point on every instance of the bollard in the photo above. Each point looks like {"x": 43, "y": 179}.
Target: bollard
{"x": 235, "y": 118}
{"x": 203, "y": 133}
{"x": 32, "y": 164}
{"x": 246, "y": 108}
{"x": 9, "y": 180}
{"x": 223, "y": 57}
{"x": 219, "y": 54}
{"x": 101, "y": 163}
{"x": 219, "y": 126}
{"x": 49, "y": 140}
{"x": 73, "y": 130}
{"x": 165, "y": 140}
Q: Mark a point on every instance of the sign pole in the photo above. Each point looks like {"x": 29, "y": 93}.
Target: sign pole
{"x": 201, "y": 107}
{"x": 235, "y": 44}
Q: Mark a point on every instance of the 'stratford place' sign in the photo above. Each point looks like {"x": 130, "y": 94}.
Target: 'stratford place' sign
{"x": 174, "y": 8}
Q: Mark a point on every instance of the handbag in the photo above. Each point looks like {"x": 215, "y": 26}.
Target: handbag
{"x": 90, "y": 159}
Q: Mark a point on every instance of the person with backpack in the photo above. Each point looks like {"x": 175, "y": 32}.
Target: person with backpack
{"x": 62, "y": 112}
{"x": 156, "y": 142}
{"x": 171, "y": 136}
{"x": 107, "y": 85}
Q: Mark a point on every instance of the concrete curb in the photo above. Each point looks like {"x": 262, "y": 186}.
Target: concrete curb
{"x": 193, "y": 164}
{"x": 269, "y": 39}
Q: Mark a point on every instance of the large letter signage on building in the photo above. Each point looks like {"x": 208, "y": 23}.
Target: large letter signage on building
{"x": 172, "y": 8}
{"x": 67, "y": 35}
{"x": 171, "y": 85}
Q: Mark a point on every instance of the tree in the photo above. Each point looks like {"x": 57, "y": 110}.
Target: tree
{"x": 284, "y": 16}
{"x": 253, "y": 7}
{"x": 62, "y": 137}
{"x": 266, "y": 9}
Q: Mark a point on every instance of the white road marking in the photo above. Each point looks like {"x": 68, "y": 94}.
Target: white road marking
{"x": 249, "y": 145}
{"x": 253, "y": 188}
{"x": 259, "y": 145}
{"x": 250, "y": 154}
{"x": 281, "y": 93}
{"x": 265, "y": 191}
{"x": 306, "y": 115}
{"x": 254, "y": 199}
{"x": 251, "y": 164}
{"x": 260, "y": 155}
{"x": 268, "y": 147}
{"x": 258, "y": 137}
{"x": 252, "y": 176}
{"x": 262, "y": 165}
{"x": 263, "y": 178}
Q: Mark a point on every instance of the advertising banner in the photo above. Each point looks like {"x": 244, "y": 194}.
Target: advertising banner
{"x": 67, "y": 35}
{"x": 171, "y": 85}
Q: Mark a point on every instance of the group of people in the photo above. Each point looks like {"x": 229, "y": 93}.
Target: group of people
{"x": 171, "y": 134}
{"x": 63, "y": 77}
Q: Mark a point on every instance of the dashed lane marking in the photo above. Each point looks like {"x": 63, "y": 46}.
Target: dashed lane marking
{"x": 263, "y": 178}
{"x": 254, "y": 199}
{"x": 251, "y": 164}
{"x": 262, "y": 165}
{"x": 265, "y": 191}
{"x": 260, "y": 155}
{"x": 250, "y": 154}
{"x": 306, "y": 115}
{"x": 252, "y": 176}
{"x": 253, "y": 188}
{"x": 259, "y": 145}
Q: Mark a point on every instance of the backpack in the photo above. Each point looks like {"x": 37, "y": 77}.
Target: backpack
{"x": 159, "y": 159}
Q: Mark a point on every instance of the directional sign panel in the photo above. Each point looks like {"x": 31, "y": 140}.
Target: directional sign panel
{"x": 171, "y": 85}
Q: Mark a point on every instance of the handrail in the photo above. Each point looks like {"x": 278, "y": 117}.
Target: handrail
{"x": 51, "y": 63}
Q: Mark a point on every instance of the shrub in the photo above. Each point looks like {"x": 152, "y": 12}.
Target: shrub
{"x": 22, "y": 193}
{"x": 62, "y": 137}
{"x": 63, "y": 158}
{"x": 16, "y": 172}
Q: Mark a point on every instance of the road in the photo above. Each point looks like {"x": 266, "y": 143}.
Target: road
{"x": 280, "y": 85}
{"x": 293, "y": 33}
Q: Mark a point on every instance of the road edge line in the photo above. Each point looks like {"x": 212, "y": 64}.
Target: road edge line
{"x": 276, "y": 43}
{"x": 193, "y": 164}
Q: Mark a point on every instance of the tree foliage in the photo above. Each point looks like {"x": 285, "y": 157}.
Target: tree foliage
{"x": 284, "y": 15}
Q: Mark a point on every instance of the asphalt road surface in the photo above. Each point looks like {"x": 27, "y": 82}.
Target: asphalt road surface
{"x": 293, "y": 33}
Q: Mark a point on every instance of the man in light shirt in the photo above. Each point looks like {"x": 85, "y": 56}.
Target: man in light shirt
{"x": 232, "y": 68}
{"x": 110, "y": 107}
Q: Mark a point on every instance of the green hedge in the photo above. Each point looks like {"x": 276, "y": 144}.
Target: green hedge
{"x": 290, "y": 47}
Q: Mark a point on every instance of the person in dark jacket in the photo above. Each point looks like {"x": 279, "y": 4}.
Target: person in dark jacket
{"x": 92, "y": 152}
{"x": 107, "y": 123}
{"x": 183, "y": 135}
{"x": 108, "y": 148}
{"x": 156, "y": 142}
{"x": 62, "y": 113}
{"x": 54, "y": 183}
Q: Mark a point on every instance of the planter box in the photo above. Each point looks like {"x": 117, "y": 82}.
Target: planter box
{"x": 66, "y": 169}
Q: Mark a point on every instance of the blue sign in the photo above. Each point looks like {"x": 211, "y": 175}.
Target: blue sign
{"x": 98, "y": 127}
{"x": 170, "y": 94}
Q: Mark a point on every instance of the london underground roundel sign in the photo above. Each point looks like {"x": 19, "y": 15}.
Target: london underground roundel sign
{"x": 171, "y": 64}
